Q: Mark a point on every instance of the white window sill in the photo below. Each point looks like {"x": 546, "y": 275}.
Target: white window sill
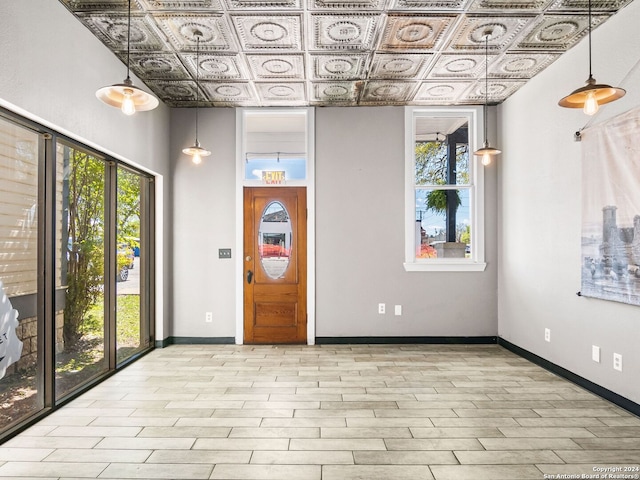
{"x": 444, "y": 266}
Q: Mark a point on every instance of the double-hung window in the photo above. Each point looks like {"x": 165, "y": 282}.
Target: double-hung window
{"x": 444, "y": 199}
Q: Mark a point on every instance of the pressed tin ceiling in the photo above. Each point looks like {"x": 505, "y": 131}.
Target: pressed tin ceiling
{"x": 340, "y": 52}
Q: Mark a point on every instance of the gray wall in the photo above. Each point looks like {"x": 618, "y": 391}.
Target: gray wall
{"x": 51, "y": 68}
{"x": 359, "y": 234}
{"x": 540, "y": 215}
{"x": 204, "y": 221}
{"x": 360, "y": 239}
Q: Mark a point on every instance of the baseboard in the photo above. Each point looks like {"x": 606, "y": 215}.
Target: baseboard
{"x": 613, "y": 397}
{"x": 406, "y": 340}
{"x": 195, "y": 341}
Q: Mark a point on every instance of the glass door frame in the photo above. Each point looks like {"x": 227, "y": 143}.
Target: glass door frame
{"x": 46, "y": 268}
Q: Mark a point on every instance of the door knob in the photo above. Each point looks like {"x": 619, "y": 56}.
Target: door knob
{"x": 249, "y": 276}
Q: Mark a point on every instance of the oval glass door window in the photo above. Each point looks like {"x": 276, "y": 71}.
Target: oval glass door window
{"x": 274, "y": 240}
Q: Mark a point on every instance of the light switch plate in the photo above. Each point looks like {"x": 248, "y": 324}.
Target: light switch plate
{"x": 224, "y": 253}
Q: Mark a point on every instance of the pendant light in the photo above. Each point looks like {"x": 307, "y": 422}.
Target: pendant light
{"x": 196, "y": 151}
{"x": 126, "y": 96}
{"x": 592, "y": 95}
{"x": 486, "y": 152}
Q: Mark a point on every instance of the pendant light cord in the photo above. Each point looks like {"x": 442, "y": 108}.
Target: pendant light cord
{"x": 128, "y": 39}
{"x": 197, "y": 34}
{"x": 589, "y": 30}
{"x": 486, "y": 83}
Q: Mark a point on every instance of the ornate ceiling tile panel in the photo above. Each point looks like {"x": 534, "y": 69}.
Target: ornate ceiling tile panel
{"x": 338, "y": 67}
{"x": 470, "y": 34}
{"x": 289, "y": 93}
{"x": 338, "y": 52}
{"x": 180, "y": 30}
{"x": 440, "y": 93}
{"x": 499, "y": 90}
{"x": 414, "y": 33}
{"x": 347, "y": 4}
{"x": 557, "y": 32}
{"x": 229, "y": 93}
{"x": 502, "y": 6}
{"x": 381, "y": 92}
{"x": 329, "y": 93}
{"x": 174, "y": 93}
{"x": 458, "y": 66}
{"x": 344, "y": 32}
{"x": 206, "y": 5}
{"x": 215, "y": 67}
{"x": 98, "y": 5}
{"x": 270, "y": 67}
{"x": 275, "y": 32}
{"x": 434, "y": 5}
{"x": 515, "y": 65}
{"x": 112, "y": 30}
{"x": 389, "y": 66}
{"x": 157, "y": 66}
{"x": 263, "y": 4}
{"x": 581, "y": 6}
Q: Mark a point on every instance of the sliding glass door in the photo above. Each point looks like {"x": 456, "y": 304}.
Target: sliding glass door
{"x": 21, "y": 372}
{"x": 76, "y": 276}
{"x": 132, "y": 257}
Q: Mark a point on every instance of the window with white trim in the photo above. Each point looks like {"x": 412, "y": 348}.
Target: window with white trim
{"x": 444, "y": 196}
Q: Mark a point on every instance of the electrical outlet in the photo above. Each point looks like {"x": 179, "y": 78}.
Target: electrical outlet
{"x": 381, "y": 308}
{"x": 398, "y": 310}
{"x": 595, "y": 353}
{"x": 547, "y": 335}
{"x": 208, "y": 317}
{"x": 617, "y": 362}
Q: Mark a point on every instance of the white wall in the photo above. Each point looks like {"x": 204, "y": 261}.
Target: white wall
{"x": 51, "y": 68}
{"x": 540, "y": 215}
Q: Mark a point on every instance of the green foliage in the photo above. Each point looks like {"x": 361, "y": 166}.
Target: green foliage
{"x": 128, "y": 228}
{"x": 85, "y": 252}
{"x": 465, "y": 235}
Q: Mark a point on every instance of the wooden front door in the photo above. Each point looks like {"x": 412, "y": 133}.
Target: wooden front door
{"x": 275, "y": 265}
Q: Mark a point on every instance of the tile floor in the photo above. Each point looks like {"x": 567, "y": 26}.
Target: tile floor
{"x": 341, "y": 412}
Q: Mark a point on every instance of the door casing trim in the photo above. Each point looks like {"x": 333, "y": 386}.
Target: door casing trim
{"x": 311, "y": 223}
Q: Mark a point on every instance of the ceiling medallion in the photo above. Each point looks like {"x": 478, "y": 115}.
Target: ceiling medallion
{"x": 558, "y": 31}
{"x": 277, "y": 66}
{"x": 118, "y": 32}
{"x": 386, "y": 91}
{"x": 460, "y": 65}
{"x": 228, "y": 91}
{"x": 335, "y": 91}
{"x": 520, "y": 65}
{"x": 215, "y": 66}
{"x": 268, "y": 31}
{"x": 477, "y": 34}
{"x": 398, "y": 65}
{"x": 414, "y": 32}
{"x": 187, "y": 31}
{"x": 157, "y": 66}
{"x": 343, "y": 31}
{"x": 440, "y": 90}
{"x": 281, "y": 91}
{"x": 338, "y": 66}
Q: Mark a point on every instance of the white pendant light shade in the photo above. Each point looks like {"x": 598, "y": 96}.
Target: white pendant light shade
{"x": 126, "y": 96}
{"x": 197, "y": 152}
